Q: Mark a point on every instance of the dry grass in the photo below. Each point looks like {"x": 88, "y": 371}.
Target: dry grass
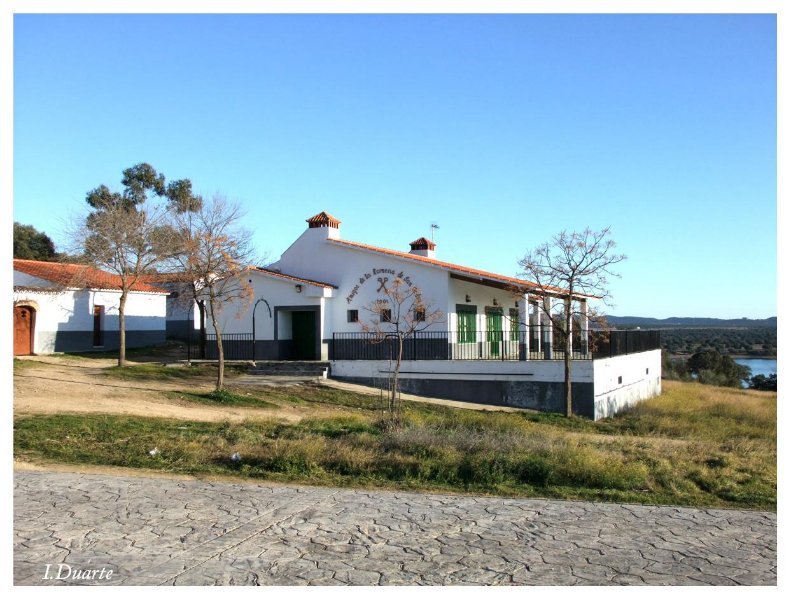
{"x": 694, "y": 445}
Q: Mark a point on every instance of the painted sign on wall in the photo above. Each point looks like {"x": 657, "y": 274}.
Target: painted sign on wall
{"x": 381, "y": 277}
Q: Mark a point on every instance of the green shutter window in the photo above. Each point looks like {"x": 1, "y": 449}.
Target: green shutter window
{"x": 494, "y": 329}
{"x": 466, "y": 327}
{"x": 514, "y": 324}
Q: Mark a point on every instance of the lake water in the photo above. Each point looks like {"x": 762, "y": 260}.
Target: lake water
{"x": 759, "y": 366}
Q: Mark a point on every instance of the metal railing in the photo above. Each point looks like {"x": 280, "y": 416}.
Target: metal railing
{"x": 534, "y": 343}
{"x": 235, "y": 346}
{"x": 531, "y": 344}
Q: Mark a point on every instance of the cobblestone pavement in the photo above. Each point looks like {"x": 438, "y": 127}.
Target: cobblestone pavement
{"x": 165, "y": 531}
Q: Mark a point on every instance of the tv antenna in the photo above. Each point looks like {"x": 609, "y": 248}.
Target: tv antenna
{"x": 434, "y": 227}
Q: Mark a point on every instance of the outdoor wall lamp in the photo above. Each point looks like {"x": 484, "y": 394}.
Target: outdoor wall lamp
{"x": 467, "y": 298}
{"x": 494, "y": 302}
{"x": 298, "y": 287}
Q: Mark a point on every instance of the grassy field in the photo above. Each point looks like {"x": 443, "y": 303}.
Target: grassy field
{"x": 695, "y": 445}
{"x": 156, "y": 372}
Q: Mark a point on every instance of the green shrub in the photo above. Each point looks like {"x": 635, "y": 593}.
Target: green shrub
{"x": 534, "y": 470}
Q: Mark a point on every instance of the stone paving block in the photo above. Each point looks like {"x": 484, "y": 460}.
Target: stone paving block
{"x": 358, "y": 577}
{"x": 713, "y": 579}
{"x": 160, "y": 532}
{"x": 622, "y": 579}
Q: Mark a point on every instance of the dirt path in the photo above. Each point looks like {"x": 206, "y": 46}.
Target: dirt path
{"x": 52, "y": 384}
{"x": 67, "y": 384}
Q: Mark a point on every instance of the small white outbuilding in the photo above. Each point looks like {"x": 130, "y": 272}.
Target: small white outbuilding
{"x": 61, "y": 307}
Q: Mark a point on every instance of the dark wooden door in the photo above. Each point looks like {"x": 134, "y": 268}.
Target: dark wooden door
{"x": 303, "y": 329}
{"x": 98, "y": 331}
{"x": 24, "y": 324}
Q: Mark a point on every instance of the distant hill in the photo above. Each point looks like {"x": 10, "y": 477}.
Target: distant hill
{"x": 690, "y": 322}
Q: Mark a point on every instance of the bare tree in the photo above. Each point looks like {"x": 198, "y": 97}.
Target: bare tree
{"x": 571, "y": 267}
{"x": 214, "y": 253}
{"x": 123, "y": 235}
{"x": 399, "y": 314}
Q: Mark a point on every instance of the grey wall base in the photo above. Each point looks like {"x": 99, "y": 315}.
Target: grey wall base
{"x": 82, "y": 341}
{"x": 235, "y": 350}
{"x": 272, "y": 349}
{"x": 543, "y": 396}
{"x": 181, "y": 330}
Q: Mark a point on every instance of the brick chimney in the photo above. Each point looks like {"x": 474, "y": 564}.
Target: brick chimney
{"x": 324, "y": 219}
{"x": 423, "y": 247}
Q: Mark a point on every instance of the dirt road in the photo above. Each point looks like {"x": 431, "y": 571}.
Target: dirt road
{"x": 54, "y": 384}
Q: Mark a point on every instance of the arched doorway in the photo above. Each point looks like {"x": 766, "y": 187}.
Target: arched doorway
{"x": 24, "y": 328}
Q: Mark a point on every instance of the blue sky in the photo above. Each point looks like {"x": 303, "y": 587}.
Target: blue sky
{"x": 503, "y": 129}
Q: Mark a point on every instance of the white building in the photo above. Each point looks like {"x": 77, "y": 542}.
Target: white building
{"x": 493, "y": 345}
{"x": 73, "y": 308}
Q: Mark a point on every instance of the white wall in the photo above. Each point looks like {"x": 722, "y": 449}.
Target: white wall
{"x": 551, "y": 371}
{"x": 352, "y": 269}
{"x": 313, "y": 256}
{"x": 238, "y": 317}
{"x": 640, "y": 378}
{"x": 482, "y": 296}
{"x": 609, "y": 395}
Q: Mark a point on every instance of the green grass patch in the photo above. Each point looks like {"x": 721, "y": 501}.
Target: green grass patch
{"x": 224, "y": 398}
{"x": 642, "y": 456}
{"x": 22, "y": 365}
{"x": 311, "y": 394}
{"x": 154, "y": 372}
{"x": 159, "y": 372}
{"x": 158, "y": 352}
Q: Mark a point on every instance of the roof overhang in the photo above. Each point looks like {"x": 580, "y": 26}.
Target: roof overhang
{"x": 488, "y": 282}
{"x": 512, "y": 287}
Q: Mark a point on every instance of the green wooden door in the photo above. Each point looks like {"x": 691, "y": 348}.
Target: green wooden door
{"x": 303, "y": 334}
{"x": 494, "y": 331}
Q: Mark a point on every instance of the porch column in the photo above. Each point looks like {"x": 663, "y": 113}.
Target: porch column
{"x": 547, "y": 329}
{"x": 535, "y": 328}
{"x": 584, "y": 327}
{"x": 524, "y": 328}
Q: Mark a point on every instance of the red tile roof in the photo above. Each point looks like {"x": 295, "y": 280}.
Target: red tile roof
{"x": 294, "y": 278}
{"x": 78, "y": 276}
{"x": 521, "y": 283}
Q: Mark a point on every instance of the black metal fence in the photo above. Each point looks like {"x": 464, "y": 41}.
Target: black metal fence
{"x": 537, "y": 343}
{"x": 235, "y": 346}
{"x": 626, "y": 341}
{"x": 532, "y": 344}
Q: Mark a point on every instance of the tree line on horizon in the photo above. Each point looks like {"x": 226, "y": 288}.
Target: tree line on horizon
{"x": 755, "y": 342}
{"x": 710, "y": 367}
